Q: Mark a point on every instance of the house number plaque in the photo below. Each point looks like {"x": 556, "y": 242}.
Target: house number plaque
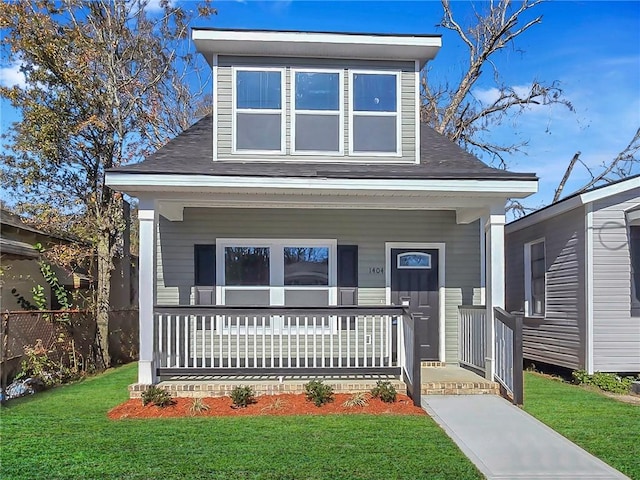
{"x": 376, "y": 270}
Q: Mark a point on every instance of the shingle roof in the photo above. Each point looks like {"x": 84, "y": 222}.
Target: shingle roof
{"x": 191, "y": 153}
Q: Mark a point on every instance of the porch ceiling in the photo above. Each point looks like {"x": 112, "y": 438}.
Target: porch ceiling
{"x": 468, "y": 206}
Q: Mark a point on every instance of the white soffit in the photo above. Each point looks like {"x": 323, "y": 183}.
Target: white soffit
{"x": 316, "y": 45}
{"x": 137, "y": 183}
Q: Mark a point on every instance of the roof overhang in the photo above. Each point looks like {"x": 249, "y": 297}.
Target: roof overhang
{"x": 212, "y": 42}
{"x": 471, "y": 199}
{"x": 572, "y": 202}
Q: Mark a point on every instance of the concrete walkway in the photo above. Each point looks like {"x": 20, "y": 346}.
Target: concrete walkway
{"x": 504, "y": 442}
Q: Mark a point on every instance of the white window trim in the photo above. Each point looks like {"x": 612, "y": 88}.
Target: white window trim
{"x": 282, "y": 110}
{"x": 528, "y": 287}
{"x": 397, "y": 113}
{"x": 340, "y": 112}
{"x": 276, "y": 267}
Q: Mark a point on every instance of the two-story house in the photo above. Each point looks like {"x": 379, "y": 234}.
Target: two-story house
{"x": 293, "y": 229}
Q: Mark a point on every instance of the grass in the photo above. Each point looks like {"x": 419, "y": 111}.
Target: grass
{"x": 601, "y": 425}
{"x": 64, "y": 433}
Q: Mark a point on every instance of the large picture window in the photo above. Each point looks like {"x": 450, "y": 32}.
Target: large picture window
{"x": 535, "y": 278}
{"x": 276, "y": 272}
{"x": 258, "y": 103}
{"x": 375, "y": 112}
{"x": 317, "y": 111}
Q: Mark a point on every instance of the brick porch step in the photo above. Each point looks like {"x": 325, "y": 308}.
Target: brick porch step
{"x": 455, "y": 380}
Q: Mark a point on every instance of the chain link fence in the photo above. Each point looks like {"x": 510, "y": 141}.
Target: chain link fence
{"x": 68, "y": 337}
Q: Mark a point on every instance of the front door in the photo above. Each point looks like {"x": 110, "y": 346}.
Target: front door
{"x": 414, "y": 282}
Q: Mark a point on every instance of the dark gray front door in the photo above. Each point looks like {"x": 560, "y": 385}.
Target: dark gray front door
{"x": 414, "y": 281}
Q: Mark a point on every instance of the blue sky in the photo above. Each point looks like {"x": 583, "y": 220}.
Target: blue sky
{"x": 592, "y": 48}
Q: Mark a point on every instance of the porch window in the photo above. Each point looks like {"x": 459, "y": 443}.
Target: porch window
{"x": 258, "y": 104}
{"x": 246, "y": 266}
{"x": 535, "y": 278}
{"x": 276, "y": 272}
{"x": 375, "y": 125}
{"x": 306, "y": 266}
{"x": 317, "y": 111}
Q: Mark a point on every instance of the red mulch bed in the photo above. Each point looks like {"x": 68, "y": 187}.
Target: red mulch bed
{"x": 286, "y": 404}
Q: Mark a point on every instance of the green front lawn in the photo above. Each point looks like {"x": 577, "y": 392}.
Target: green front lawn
{"x": 605, "y": 427}
{"x": 64, "y": 433}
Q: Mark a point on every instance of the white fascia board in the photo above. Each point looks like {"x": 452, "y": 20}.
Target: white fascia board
{"x": 573, "y": 202}
{"x": 153, "y": 182}
{"x": 315, "y": 44}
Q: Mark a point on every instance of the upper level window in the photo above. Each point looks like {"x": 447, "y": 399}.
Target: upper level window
{"x": 535, "y": 278}
{"x": 317, "y": 119}
{"x": 375, "y": 116}
{"x": 258, "y": 103}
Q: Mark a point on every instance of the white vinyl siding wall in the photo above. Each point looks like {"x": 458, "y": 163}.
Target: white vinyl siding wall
{"x": 224, "y": 102}
{"x": 369, "y": 229}
{"x": 616, "y": 341}
{"x": 559, "y": 337}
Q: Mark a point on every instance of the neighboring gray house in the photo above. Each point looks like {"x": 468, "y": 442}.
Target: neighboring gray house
{"x": 574, "y": 269}
{"x": 282, "y": 233}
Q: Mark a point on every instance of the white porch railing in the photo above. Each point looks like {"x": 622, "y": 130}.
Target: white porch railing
{"x": 472, "y": 334}
{"x": 509, "y": 353}
{"x": 508, "y": 346}
{"x": 274, "y": 340}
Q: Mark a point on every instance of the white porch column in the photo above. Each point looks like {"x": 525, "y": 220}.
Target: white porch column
{"x": 495, "y": 278}
{"x": 146, "y": 290}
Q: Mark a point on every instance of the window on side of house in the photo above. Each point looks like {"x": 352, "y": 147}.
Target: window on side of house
{"x": 317, "y": 105}
{"x": 258, "y": 110}
{"x": 375, "y": 113}
{"x": 535, "y": 278}
{"x": 634, "y": 251}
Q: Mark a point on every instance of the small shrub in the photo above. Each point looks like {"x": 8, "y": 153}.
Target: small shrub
{"x": 243, "y": 396}
{"x": 318, "y": 392}
{"x": 198, "y": 406}
{"x": 156, "y": 396}
{"x": 384, "y": 391}
{"x": 275, "y": 405}
{"x": 608, "y": 382}
{"x": 357, "y": 400}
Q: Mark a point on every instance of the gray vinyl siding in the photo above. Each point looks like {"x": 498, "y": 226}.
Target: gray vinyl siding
{"x": 616, "y": 334}
{"x": 369, "y": 229}
{"x": 558, "y": 338}
{"x": 224, "y": 99}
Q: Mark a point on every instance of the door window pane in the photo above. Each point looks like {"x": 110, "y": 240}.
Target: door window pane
{"x": 246, "y": 265}
{"x": 317, "y": 91}
{"x": 414, "y": 260}
{"x": 374, "y": 93}
{"x": 255, "y": 89}
{"x": 306, "y": 266}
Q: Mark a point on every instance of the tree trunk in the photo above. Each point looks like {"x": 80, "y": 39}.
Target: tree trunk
{"x": 105, "y": 267}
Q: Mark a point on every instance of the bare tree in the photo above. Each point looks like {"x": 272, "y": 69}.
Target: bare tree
{"x": 618, "y": 168}
{"x": 105, "y": 85}
{"x": 452, "y": 109}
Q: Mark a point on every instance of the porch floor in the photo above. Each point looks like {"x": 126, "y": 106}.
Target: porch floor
{"x": 455, "y": 380}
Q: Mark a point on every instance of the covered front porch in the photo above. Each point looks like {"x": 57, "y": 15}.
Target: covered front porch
{"x": 383, "y": 267}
